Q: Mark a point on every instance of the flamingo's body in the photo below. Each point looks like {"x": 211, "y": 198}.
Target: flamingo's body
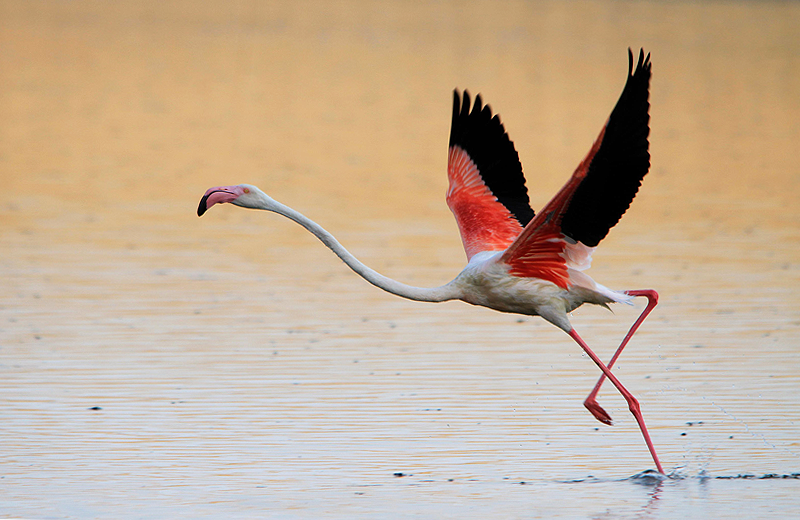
{"x": 519, "y": 261}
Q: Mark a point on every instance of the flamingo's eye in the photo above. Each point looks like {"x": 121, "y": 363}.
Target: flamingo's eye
{"x": 247, "y": 190}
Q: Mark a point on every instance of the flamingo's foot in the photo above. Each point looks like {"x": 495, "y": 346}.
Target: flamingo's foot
{"x": 599, "y": 413}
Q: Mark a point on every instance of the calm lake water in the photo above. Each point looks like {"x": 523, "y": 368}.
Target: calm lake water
{"x": 157, "y": 365}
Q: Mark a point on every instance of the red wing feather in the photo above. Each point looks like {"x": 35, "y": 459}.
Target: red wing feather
{"x": 538, "y": 252}
{"x": 485, "y": 223}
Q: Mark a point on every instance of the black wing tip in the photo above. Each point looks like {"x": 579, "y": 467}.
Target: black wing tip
{"x": 467, "y": 113}
{"x": 643, "y": 63}
{"x": 463, "y": 106}
{"x": 638, "y": 82}
{"x": 459, "y": 95}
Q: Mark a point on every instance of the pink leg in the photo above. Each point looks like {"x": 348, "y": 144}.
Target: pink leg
{"x": 633, "y": 404}
{"x": 591, "y": 401}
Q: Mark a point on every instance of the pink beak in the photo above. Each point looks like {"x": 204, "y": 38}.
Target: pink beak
{"x": 218, "y": 195}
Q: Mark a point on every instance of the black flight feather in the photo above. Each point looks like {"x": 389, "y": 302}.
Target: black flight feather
{"x": 617, "y": 169}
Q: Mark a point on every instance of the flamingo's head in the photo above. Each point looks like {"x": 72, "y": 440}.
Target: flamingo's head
{"x": 243, "y": 195}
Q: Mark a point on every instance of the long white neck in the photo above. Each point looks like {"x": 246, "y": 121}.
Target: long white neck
{"x": 425, "y": 294}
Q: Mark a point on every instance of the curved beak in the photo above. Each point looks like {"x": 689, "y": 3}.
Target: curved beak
{"x": 218, "y": 195}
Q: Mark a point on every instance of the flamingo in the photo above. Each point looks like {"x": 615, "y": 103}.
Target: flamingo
{"x": 519, "y": 261}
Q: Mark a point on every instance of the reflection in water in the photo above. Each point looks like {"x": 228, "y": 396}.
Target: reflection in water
{"x": 656, "y": 483}
{"x": 240, "y": 372}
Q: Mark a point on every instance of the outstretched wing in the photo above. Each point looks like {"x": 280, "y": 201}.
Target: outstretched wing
{"x": 487, "y": 192}
{"x": 570, "y": 226}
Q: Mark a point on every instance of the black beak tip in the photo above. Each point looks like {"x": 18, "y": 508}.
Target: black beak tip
{"x": 203, "y": 206}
